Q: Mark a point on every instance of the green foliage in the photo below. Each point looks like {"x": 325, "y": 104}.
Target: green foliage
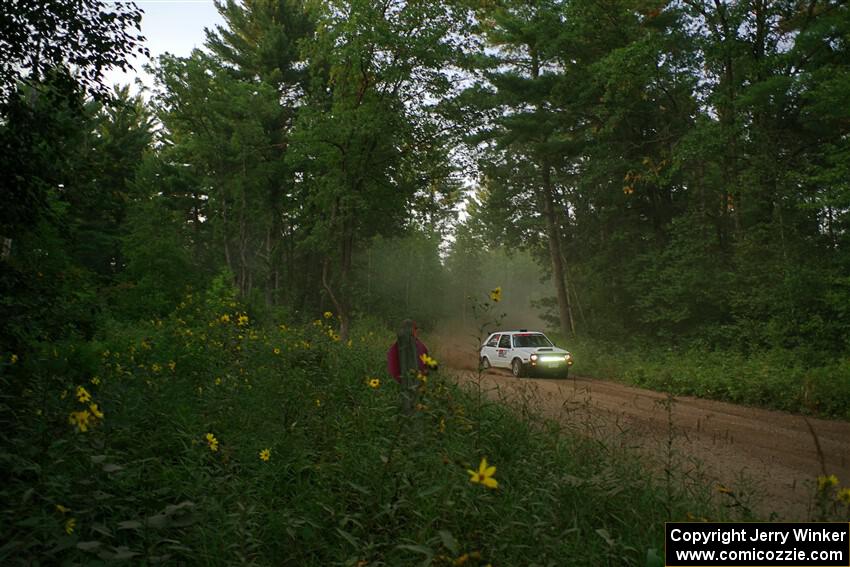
{"x": 158, "y": 268}
{"x": 790, "y": 380}
{"x": 682, "y": 291}
{"x": 172, "y": 471}
{"x": 402, "y": 278}
{"x": 91, "y": 35}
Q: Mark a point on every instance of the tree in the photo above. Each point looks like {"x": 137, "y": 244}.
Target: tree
{"x": 517, "y": 82}
{"x": 118, "y": 137}
{"x": 355, "y": 143}
{"x": 91, "y": 36}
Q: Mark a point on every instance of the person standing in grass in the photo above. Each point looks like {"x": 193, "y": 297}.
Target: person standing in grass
{"x": 393, "y": 364}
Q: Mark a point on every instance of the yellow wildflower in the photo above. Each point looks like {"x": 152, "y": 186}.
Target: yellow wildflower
{"x": 242, "y": 320}
{"x": 80, "y": 419}
{"x": 484, "y": 475}
{"x": 421, "y": 377}
{"x": 463, "y": 559}
{"x": 156, "y": 368}
{"x": 496, "y": 294}
{"x": 62, "y": 509}
{"x": 96, "y": 411}
{"x": 428, "y": 361}
{"x": 95, "y": 380}
{"x": 70, "y": 525}
{"x": 318, "y": 403}
{"x": 328, "y": 314}
{"x": 218, "y": 381}
{"x": 212, "y": 442}
{"x": 826, "y": 482}
{"x": 844, "y": 496}
{"x": 265, "y": 454}
{"x": 172, "y": 365}
{"x": 276, "y": 350}
{"x": 224, "y": 318}
{"x": 13, "y": 359}
{"x": 83, "y": 395}
{"x": 374, "y": 383}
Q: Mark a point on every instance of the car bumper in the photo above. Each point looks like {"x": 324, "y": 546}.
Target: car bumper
{"x": 544, "y": 369}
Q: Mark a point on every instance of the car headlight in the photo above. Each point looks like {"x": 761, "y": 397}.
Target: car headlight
{"x": 569, "y": 358}
{"x": 533, "y": 358}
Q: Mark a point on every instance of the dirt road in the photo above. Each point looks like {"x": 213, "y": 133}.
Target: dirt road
{"x": 768, "y": 458}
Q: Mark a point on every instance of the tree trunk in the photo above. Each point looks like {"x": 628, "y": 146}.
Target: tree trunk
{"x": 564, "y": 310}
{"x": 340, "y": 297}
{"x": 565, "y": 315}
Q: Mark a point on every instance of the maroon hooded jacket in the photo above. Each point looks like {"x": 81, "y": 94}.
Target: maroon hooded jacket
{"x": 393, "y": 366}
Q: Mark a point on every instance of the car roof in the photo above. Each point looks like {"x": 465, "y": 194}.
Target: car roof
{"x": 522, "y": 331}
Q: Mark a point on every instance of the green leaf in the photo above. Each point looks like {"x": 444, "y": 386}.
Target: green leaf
{"x": 129, "y": 525}
{"x": 349, "y": 538}
{"x": 449, "y": 541}
{"x": 603, "y": 533}
{"x": 421, "y": 549}
{"x": 89, "y": 545}
{"x": 653, "y": 559}
{"x": 118, "y": 554}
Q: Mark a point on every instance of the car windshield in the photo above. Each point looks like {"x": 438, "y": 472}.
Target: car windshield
{"x": 536, "y": 340}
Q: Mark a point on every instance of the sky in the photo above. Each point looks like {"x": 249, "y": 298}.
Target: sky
{"x": 173, "y": 26}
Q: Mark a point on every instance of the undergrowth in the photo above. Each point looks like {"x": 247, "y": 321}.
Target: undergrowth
{"x": 206, "y": 438}
{"x": 777, "y": 379}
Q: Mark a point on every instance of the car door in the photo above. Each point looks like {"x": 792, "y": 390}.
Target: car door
{"x": 503, "y": 353}
{"x": 489, "y": 348}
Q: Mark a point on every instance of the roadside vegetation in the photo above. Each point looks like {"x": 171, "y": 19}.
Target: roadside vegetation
{"x": 217, "y": 436}
{"x": 776, "y": 379}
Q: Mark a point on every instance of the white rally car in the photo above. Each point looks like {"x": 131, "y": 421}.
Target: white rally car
{"x": 525, "y": 353}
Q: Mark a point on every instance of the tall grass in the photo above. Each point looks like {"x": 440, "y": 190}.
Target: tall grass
{"x": 173, "y": 472}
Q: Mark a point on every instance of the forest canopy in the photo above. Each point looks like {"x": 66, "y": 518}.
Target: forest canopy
{"x": 677, "y": 170}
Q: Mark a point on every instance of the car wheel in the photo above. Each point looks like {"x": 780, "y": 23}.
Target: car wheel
{"x": 517, "y": 369}
{"x": 485, "y": 363}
